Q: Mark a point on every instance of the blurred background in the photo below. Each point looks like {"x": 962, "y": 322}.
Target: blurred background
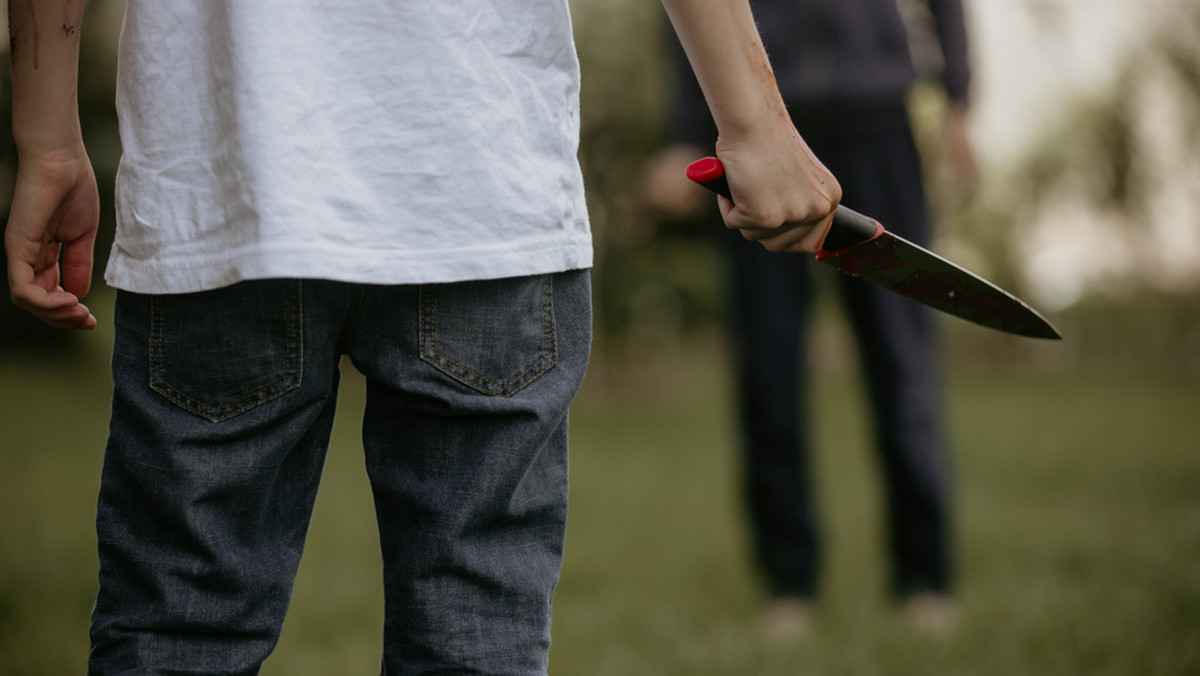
{"x": 1077, "y": 466}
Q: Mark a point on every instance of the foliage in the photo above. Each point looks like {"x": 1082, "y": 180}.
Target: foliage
{"x": 644, "y": 281}
{"x": 1115, "y": 178}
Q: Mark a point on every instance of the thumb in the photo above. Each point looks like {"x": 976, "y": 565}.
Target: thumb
{"x": 77, "y": 257}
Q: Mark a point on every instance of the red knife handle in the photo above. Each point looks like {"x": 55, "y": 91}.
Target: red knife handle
{"x": 848, "y": 230}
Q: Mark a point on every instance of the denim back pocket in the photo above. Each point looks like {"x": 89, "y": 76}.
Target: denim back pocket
{"x": 219, "y": 353}
{"x": 496, "y": 336}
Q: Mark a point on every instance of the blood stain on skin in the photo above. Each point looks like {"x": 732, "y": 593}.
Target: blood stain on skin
{"x": 37, "y": 34}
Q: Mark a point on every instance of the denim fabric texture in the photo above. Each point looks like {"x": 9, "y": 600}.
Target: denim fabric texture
{"x": 222, "y": 410}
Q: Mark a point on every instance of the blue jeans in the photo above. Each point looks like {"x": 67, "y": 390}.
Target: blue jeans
{"x": 221, "y": 417}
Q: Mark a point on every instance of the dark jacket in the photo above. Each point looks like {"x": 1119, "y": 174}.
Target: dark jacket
{"x": 839, "y": 53}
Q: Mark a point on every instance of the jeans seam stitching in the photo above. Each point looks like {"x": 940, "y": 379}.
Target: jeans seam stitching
{"x": 289, "y": 381}
{"x": 486, "y": 384}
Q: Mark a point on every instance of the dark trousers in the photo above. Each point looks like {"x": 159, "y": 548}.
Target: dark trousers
{"x": 872, "y": 154}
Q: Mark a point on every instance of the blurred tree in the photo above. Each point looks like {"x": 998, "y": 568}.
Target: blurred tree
{"x": 1105, "y": 204}
{"x": 641, "y": 277}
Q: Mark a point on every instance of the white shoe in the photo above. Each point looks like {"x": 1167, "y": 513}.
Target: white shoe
{"x": 930, "y": 613}
{"x": 786, "y": 619}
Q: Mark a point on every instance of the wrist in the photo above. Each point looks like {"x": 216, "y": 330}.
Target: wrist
{"x": 766, "y": 129}
{"x": 54, "y": 141}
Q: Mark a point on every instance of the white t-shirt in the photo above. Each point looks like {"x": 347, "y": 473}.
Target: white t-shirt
{"x": 356, "y": 140}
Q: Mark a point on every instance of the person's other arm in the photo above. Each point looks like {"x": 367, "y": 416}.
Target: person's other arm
{"x": 956, "y": 78}
{"x": 783, "y": 196}
{"x": 56, "y": 206}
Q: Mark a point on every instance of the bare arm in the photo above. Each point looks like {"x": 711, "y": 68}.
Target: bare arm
{"x": 56, "y": 206}
{"x": 782, "y": 195}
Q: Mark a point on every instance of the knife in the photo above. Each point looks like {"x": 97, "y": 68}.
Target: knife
{"x": 859, "y": 245}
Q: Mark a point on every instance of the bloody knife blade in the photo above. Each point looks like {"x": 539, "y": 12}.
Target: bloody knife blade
{"x": 860, "y": 246}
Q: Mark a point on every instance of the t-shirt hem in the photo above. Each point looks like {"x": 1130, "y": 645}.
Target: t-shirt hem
{"x": 203, "y": 273}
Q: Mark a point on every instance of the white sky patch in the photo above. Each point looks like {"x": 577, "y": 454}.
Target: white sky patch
{"x": 1069, "y": 249}
{"x": 1031, "y": 58}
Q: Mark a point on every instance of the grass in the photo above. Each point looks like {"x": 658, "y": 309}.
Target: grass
{"x": 1078, "y": 521}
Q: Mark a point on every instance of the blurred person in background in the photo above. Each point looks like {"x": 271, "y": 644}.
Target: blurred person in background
{"x": 392, "y": 182}
{"x": 845, "y": 70}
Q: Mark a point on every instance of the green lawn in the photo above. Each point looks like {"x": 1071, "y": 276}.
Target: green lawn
{"x": 1078, "y": 527}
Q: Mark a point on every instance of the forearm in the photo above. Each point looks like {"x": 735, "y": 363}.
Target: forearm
{"x": 44, "y": 38}
{"x": 952, "y": 39}
{"x": 782, "y": 195}
{"x": 723, "y": 46}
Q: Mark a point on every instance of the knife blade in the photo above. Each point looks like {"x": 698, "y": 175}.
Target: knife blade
{"x": 860, "y": 246}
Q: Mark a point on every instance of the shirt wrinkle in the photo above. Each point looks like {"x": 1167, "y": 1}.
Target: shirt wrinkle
{"x": 409, "y": 144}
